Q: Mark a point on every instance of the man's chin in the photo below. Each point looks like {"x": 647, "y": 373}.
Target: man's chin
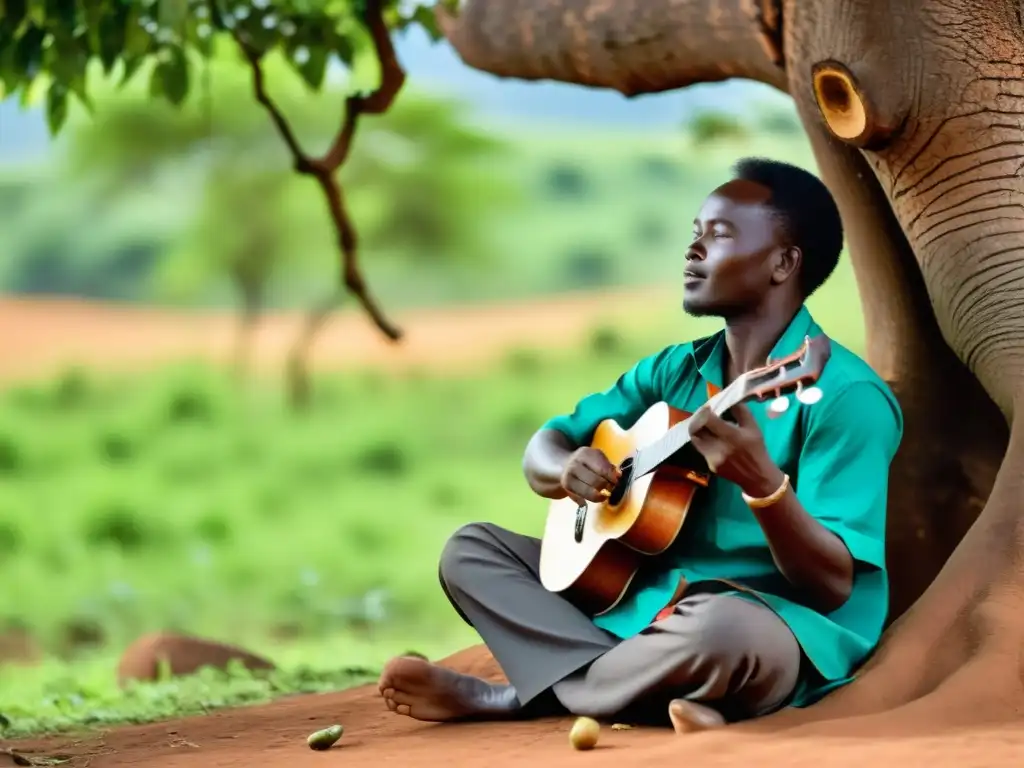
{"x": 696, "y": 308}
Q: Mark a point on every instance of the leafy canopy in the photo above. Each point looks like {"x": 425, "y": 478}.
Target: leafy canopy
{"x": 48, "y": 47}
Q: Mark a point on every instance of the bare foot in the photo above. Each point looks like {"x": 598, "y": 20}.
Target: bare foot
{"x": 424, "y": 691}
{"x": 689, "y": 717}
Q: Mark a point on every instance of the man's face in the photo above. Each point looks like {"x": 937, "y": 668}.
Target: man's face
{"x": 734, "y": 253}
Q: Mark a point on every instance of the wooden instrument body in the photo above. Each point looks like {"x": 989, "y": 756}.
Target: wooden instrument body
{"x": 595, "y": 572}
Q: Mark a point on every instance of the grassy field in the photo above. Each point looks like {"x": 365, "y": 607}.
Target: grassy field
{"x": 179, "y": 501}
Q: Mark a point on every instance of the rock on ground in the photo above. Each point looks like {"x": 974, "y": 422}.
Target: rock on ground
{"x": 184, "y": 655}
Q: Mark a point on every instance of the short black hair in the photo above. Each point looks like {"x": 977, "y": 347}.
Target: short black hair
{"x": 807, "y": 211}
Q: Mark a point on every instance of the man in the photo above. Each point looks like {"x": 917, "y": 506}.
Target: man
{"x": 793, "y": 518}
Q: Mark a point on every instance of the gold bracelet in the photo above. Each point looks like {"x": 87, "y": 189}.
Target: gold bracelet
{"x": 770, "y": 499}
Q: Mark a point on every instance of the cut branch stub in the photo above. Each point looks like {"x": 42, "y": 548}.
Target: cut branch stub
{"x": 849, "y": 113}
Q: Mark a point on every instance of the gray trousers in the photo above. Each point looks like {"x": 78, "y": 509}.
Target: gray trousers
{"x": 722, "y": 651}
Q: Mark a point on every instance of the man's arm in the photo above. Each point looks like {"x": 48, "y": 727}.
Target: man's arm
{"x": 834, "y": 520}
{"x": 811, "y": 557}
{"x": 547, "y": 453}
{"x": 551, "y": 448}
{"x": 843, "y": 474}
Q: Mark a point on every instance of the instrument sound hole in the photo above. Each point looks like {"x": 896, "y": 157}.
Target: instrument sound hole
{"x": 619, "y": 492}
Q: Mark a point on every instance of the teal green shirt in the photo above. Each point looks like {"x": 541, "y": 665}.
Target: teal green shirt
{"x": 837, "y": 453}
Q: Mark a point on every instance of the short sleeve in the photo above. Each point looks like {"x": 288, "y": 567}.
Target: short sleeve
{"x": 624, "y": 401}
{"x": 843, "y": 474}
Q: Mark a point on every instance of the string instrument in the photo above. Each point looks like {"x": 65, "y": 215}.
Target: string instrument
{"x": 591, "y": 552}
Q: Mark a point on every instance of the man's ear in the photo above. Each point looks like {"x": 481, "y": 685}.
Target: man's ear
{"x": 787, "y": 264}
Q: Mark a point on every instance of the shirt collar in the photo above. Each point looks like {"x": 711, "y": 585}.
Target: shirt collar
{"x": 709, "y": 352}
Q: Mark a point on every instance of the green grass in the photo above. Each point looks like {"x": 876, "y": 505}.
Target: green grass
{"x": 178, "y": 501}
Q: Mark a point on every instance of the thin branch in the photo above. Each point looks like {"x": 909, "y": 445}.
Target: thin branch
{"x": 303, "y": 163}
{"x": 324, "y": 169}
{"x": 378, "y": 101}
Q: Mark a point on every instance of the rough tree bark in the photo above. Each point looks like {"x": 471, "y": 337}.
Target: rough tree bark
{"x": 915, "y": 111}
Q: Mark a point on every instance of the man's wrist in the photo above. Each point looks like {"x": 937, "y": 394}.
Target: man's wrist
{"x": 768, "y": 483}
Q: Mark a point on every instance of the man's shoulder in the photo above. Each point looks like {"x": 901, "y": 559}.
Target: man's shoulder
{"x": 847, "y": 377}
{"x": 671, "y": 355}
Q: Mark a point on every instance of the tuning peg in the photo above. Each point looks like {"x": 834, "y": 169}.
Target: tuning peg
{"x": 808, "y": 396}
{"x": 779, "y": 405}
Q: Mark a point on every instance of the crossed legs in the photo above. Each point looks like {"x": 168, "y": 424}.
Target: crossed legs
{"x": 715, "y": 658}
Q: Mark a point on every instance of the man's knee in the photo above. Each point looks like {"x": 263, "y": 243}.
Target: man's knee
{"x": 462, "y": 549}
{"x": 735, "y": 633}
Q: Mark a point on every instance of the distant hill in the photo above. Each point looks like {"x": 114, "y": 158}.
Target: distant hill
{"x": 23, "y": 135}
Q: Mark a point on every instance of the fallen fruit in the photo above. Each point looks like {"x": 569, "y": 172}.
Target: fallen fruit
{"x": 325, "y": 738}
{"x": 584, "y": 733}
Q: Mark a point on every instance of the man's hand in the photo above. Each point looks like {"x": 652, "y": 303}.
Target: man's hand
{"x": 735, "y": 451}
{"x": 589, "y": 475}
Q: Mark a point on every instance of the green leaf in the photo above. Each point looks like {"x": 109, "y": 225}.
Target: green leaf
{"x": 170, "y": 77}
{"x": 425, "y": 17}
{"x": 109, "y": 35}
{"x": 173, "y": 13}
{"x": 137, "y": 41}
{"x": 60, "y": 15}
{"x": 344, "y": 50}
{"x": 56, "y": 107}
{"x": 27, "y": 56}
{"x": 36, "y": 12}
{"x": 14, "y": 12}
{"x": 313, "y": 68}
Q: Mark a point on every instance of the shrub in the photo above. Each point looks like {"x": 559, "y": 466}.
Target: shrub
{"x": 711, "y": 126}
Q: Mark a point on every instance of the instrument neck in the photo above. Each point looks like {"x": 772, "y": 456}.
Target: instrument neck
{"x": 675, "y": 439}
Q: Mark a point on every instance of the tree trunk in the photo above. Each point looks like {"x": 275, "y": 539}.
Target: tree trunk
{"x": 916, "y": 115}
{"x": 250, "y": 312}
{"x": 945, "y": 468}
{"x": 300, "y": 387}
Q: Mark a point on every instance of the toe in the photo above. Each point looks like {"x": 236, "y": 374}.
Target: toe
{"x": 403, "y": 709}
{"x": 402, "y": 697}
{"x": 688, "y": 717}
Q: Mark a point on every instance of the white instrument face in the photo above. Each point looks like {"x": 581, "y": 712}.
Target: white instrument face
{"x": 595, "y": 548}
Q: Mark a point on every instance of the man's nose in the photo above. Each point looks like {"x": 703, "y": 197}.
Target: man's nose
{"x": 694, "y": 253}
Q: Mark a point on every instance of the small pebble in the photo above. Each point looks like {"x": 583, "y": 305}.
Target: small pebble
{"x": 324, "y": 738}
{"x": 584, "y": 733}
{"x": 622, "y": 727}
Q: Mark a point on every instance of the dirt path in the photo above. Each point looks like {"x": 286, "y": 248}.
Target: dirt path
{"x": 38, "y": 337}
{"x": 273, "y": 736}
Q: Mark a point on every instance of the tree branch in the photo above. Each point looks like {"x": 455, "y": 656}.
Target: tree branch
{"x": 392, "y": 78}
{"x": 632, "y": 46}
{"x": 259, "y": 89}
{"x": 324, "y": 169}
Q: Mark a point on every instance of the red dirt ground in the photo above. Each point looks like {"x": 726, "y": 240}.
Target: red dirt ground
{"x": 39, "y": 337}
{"x": 273, "y": 736}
